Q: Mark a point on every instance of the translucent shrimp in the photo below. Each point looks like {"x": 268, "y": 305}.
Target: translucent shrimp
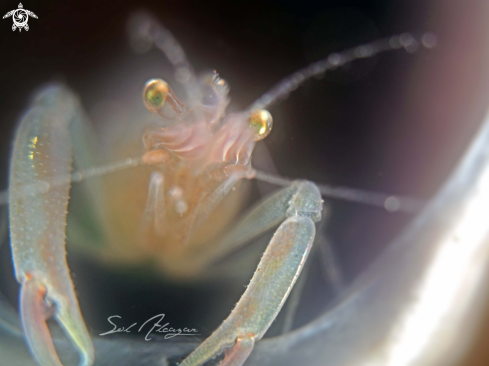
{"x": 197, "y": 154}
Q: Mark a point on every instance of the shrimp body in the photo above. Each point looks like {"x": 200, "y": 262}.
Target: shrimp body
{"x": 195, "y": 156}
{"x": 170, "y": 210}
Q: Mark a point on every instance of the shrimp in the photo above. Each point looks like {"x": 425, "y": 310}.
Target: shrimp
{"x": 197, "y": 154}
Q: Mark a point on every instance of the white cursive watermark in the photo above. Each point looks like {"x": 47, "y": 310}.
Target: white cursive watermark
{"x": 156, "y": 327}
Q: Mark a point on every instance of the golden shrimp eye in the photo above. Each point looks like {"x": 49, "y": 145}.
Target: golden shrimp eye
{"x": 155, "y": 93}
{"x": 261, "y": 123}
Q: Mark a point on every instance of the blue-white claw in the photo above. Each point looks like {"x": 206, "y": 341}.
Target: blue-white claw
{"x": 39, "y": 192}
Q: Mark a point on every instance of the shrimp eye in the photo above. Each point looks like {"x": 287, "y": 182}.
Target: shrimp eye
{"x": 261, "y": 123}
{"x": 159, "y": 98}
{"x": 155, "y": 94}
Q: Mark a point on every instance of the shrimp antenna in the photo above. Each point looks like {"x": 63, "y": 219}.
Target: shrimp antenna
{"x": 334, "y": 60}
{"x": 391, "y": 203}
{"x": 145, "y": 31}
{"x": 75, "y": 177}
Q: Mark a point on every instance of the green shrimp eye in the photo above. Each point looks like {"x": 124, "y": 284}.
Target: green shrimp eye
{"x": 155, "y": 94}
{"x": 261, "y": 123}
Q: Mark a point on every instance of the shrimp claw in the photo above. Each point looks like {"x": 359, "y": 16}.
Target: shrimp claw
{"x": 40, "y": 180}
{"x": 297, "y": 208}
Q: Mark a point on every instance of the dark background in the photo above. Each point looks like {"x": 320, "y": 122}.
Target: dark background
{"x": 396, "y": 123}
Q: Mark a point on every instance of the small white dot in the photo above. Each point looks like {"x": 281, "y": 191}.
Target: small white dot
{"x": 409, "y": 42}
{"x": 364, "y": 51}
{"x": 181, "y": 207}
{"x": 76, "y": 177}
{"x": 44, "y": 186}
{"x": 334, "y": 59}
{"x": 429, "y": 40}
{"x": 406, "y": 39}
{"x": 394, "y": 42}
{"x": 413, "y": 47}
{"x": 392, "y": 204}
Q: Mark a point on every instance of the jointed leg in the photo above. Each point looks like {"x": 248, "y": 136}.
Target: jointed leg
{"x": 331, "y": 269}
{"x": 208, "y": 204}
{"x": 299, "y": 206}
{"x": 267, "y": 215}
{"x": 296, "y": 293}
{"x": 155, "y": 210}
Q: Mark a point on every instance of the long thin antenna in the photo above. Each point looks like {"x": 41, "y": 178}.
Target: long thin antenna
{"x": 335, "y": 60}
{"x": 75, "y": 177}
{"x": 391, "y": 203}
{"x": 145, "y": 30}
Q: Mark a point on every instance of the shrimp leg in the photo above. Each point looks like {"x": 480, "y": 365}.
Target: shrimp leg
{"x": 40, "y": 180}
{"x": 298, "y": 206}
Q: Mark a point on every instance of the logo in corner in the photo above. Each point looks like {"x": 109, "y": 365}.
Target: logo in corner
{"x": 20, "y": 17}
